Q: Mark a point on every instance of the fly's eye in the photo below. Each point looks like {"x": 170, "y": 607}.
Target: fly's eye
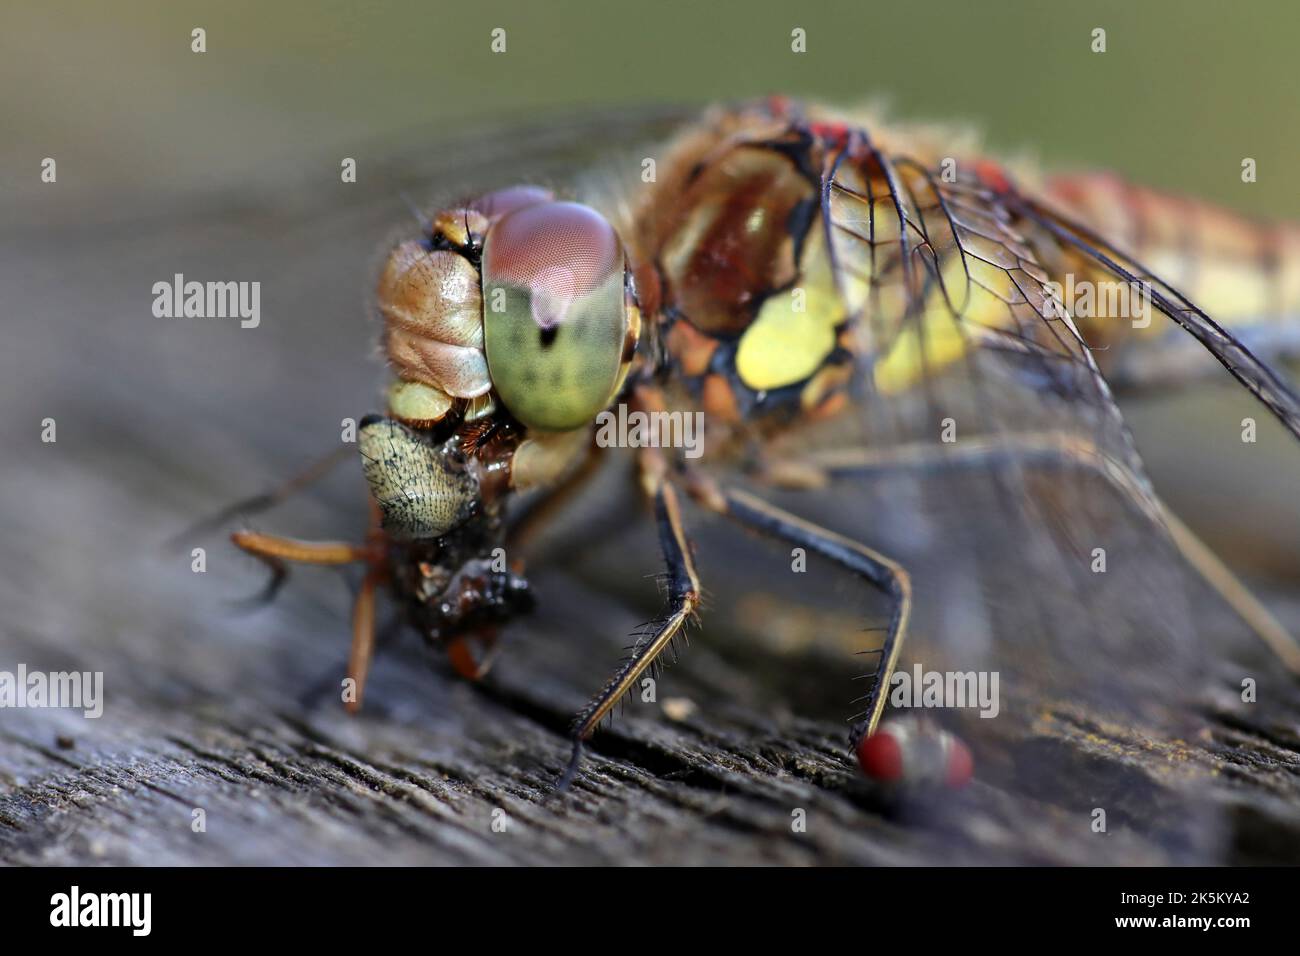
{"x": 554, "y": 322}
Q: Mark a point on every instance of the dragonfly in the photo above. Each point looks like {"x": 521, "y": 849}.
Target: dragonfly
{"x": 917, "y": 346}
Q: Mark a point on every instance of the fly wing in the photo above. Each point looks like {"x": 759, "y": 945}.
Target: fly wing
{"x": 995, "y": 465}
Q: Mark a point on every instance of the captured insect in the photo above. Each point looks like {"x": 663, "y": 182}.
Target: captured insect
{"x": 914, "y": 346}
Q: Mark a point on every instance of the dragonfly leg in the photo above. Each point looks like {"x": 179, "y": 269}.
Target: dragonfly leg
{"x": 1049, "y": 450}
{"x": 363, "y": 638}
{"x": 269, "y": 499}
{"x": 327, "y": 684}
{"x": 276, "y": 551}
{"x": 549, "y": 502}
{"x": 683, "y": 585}
{"x": 883, "y": 573}
{"x": 269, "y": 547}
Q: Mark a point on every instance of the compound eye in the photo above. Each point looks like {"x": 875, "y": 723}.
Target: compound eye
{"x": 497, "y": 204}
{"x": 554, "y": 322}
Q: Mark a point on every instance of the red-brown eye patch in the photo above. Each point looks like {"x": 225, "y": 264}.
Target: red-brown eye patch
{"x": 558, "y": 251}
{"x": 555, "y": 322}
{"x": 497, "y": 204}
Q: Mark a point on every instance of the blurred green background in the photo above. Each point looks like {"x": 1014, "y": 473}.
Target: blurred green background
{"x": 1184, "y": 91}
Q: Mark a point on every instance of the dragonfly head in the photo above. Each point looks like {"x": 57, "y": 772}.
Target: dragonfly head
{"x": 511, "y": 323}
{"x": 517, "y": 299}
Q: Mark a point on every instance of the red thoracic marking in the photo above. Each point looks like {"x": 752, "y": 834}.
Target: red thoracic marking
{"x": 992, "y": 175}
{"x": 831, "y": 133}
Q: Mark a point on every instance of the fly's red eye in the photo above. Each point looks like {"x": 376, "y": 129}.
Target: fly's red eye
{"x": 914, "y": 753}
{"x": 554, "y": 319}
{"x": 881, "y": 756}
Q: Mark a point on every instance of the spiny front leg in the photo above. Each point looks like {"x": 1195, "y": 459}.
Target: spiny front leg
{"x": 683, "y": 601}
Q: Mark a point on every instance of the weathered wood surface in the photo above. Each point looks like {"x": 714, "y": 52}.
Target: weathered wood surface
{"x": 160, "y": 421}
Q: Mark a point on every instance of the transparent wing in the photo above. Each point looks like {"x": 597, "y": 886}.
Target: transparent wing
{"x": 994, "y": 464}
{"x": 1081, "y": 243}
{"x": 309, "y": 240}
{"x": 421, "y": 165}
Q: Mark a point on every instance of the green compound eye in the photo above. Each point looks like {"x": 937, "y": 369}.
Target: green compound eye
{"x": 554, "y": 322}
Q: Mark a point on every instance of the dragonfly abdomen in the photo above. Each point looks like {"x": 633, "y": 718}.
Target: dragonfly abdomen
{"x": 1244, "y": 273}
